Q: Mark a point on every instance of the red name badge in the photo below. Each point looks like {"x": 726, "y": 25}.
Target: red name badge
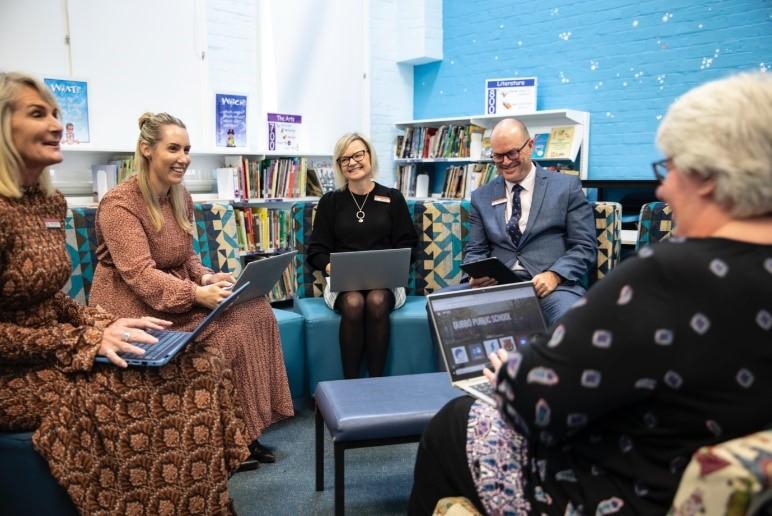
{"x": 52, "y": 223}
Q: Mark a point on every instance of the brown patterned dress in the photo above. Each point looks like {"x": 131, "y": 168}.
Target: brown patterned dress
{"x": 120, "y": 441}
{"x": 142, "y": 271}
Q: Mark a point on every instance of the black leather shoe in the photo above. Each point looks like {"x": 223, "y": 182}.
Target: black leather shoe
{"x": 261, "y": 453}
{"x": 248, "y": 465}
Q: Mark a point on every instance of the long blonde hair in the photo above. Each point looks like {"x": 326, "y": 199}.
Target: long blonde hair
{"x": 150, "y": 125}
{"x": 11, "y": 163}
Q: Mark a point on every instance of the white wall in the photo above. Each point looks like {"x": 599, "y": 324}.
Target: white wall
{"x": 289, "y": 56}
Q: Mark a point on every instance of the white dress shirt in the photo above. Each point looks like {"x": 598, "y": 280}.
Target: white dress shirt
{"x": 526, "y": 198}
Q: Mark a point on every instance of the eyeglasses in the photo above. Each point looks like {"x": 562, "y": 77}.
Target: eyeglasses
{"x": 511, "y": 154}
{"x": 358, "y": 156}
{"x": 660, "y": 168}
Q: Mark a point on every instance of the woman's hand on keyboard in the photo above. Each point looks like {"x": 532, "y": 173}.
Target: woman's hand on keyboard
{"x": 117, "y": 337}
{"x": 212, "y": 295}
{"x": 497, "y": 358}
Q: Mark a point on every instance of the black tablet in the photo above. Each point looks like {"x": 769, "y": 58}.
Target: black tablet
{"x": 491, "y": 267}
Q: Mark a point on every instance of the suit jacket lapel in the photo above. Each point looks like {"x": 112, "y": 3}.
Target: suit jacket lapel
{"x": 500, "y": 210}
{"x": 539, "y": 190}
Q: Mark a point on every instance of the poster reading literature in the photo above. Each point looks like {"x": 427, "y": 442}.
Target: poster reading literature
{"x": 72, "y": 97}
{"x": 504, "y": 96}
{"x": 231, "y": 120}
{"x": 283, "y": 132}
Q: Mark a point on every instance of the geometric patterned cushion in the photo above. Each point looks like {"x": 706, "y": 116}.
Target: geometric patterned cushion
{"x": 215, "y": 238}
{"x": 608, "y": 231}
{"x": 655, "y": 223}
{"x": 81, "y": 246}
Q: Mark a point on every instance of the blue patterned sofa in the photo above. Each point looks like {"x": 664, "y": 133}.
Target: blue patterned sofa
{"x": 442, "y": 227}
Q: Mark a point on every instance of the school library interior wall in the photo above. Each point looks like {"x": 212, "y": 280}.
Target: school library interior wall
{"x": 623, "y": 62}
{"x": 282, "y": 54}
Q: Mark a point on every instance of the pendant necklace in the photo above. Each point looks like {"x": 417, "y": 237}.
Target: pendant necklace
{"x": 360, "y": 214}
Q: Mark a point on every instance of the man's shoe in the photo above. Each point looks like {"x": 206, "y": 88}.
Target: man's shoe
{"x": 261, "y": 453}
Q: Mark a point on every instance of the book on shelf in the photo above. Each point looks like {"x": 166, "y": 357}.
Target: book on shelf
{"x": 263, "y": 230}
{"x": 445, "y": 141}
{"x": 320, "y": 181}
{"x": 539, "y": 145}
{"x": 285, "y": 286}
{"x": 559, "y": 143}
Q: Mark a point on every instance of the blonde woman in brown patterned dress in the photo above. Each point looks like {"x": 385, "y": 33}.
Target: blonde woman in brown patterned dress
{"x": 147, "y": 266}
{"x": 119, "y": 440}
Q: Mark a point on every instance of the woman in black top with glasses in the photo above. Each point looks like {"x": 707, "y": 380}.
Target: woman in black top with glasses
{"x": 361, "y": 215}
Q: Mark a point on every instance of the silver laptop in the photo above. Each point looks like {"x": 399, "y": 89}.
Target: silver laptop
{"x": 262, "y": 275}
{"x": 170, "y": 342}
{"x": 367, "y": 270}
{"x": 470, "y": 324}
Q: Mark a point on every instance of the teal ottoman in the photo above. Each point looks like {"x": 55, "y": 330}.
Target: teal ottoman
{"x": 291, "y": 331}
{"x": 410, "y": 345}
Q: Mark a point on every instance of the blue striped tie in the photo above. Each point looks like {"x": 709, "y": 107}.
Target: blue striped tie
{"x": 513, "y": 225}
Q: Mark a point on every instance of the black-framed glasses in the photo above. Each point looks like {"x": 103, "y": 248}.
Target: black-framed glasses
{"x": 512, "y": 154}
{"x": 358, "y": 156}
{"x": 660, "y": 168}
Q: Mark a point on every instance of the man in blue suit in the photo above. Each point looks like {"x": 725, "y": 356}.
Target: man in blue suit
{"x": 537, "y": 222}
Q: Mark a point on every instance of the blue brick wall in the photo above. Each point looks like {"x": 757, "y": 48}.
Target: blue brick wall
{"x": 624, "y": 62}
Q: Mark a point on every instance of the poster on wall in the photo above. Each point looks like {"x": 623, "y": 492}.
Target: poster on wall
{"x": 284, "y": 132}
{"x": 230, "y": 120}
{"x": 72, "y": 97}
{"x": 505, "y": 96}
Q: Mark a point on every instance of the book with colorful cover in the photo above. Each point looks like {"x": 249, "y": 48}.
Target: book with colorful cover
{"x": 559, "y": 144}
{"x": 540, "y": 145}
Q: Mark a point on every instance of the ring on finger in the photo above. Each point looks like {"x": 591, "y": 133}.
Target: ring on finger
{"x": 126, "y": 336}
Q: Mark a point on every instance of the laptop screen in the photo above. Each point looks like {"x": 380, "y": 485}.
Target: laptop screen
{"x": 473, "y": 323}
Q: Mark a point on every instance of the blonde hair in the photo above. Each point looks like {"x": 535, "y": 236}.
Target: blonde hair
{"x": 721, "y": 130}
{"x": 340, "y": 146}
{"x": 11, "y": 162}
{"x": 150, "y": 125}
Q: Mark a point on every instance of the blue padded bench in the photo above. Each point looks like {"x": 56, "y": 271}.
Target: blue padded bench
{"x": 26, "y": 484}
{"x": 369, "y": 412}
{"x": 292, "y": 330}
{"x": 410, "y": 349}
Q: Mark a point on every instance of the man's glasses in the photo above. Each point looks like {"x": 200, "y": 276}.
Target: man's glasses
{"x": 358, "y": 156}
{"x": 660, "y": 169}
{"x": 511, "y": 154}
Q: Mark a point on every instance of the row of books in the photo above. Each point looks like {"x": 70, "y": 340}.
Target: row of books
{"x": 115, "y": 172}
{"x": 263, "y": 230}
{"x": 446, "y": 141}
{"x": 285, "y": 287}
{"x": 270, "y": 178}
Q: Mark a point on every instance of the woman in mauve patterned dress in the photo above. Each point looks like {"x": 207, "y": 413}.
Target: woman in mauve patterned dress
{"x": 147, "y": 266}
{"x": 667, "y": 354}
{"x": 119, "y": 440}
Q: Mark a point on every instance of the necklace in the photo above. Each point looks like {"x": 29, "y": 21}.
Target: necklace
{"x": 360, "y": 214}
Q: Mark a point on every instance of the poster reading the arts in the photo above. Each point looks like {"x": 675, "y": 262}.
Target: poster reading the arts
{"x": 284, "y": 132}
{"x": 231, "y": 120}
{"x": 504, "y": 96}
{"x": 72, "y": 97}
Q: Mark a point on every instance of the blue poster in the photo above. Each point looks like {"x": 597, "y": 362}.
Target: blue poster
{"x": 72, "y": 97}
{"x": 231, "y": 120}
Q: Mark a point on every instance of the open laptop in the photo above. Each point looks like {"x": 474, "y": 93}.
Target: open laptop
{"x": 470, "y": 324}
{"x": 367, "y": 270}
{"x": 170, "y": 342}
{"x": 262, "y": 275}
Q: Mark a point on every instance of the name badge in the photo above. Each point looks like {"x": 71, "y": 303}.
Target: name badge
{"x": 382, "y": 198}
{"x": 52, "y": 223}
{"x": 496, "y": 202}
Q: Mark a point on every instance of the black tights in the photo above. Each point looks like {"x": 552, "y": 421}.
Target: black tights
{"x": 364, "y": 329}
